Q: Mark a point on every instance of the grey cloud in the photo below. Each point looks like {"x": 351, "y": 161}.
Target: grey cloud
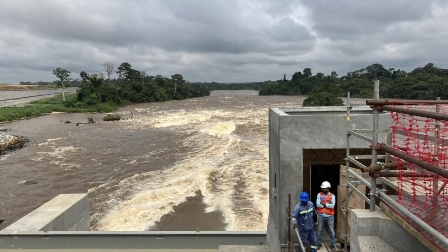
{"x": 66, "y": 21}
{"x": 236, "y": 40}
{"x": 195, "y": 26}
{"x": 346, "y": 19}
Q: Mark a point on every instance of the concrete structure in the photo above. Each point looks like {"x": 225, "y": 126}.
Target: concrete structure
{"x": 375, "y": 231}
{"x": 291, "y": 130}
{"x": 65, "y": 212}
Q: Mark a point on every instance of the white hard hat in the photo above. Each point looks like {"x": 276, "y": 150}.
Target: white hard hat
{"x": 325, "y": 184}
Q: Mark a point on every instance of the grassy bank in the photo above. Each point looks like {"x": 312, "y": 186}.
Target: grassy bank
{"x": 53, "y": 104}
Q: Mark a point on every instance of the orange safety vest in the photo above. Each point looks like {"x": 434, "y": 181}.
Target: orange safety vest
{"x": 326, "y": 199}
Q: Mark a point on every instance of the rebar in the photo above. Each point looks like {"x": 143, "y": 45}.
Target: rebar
{"x": 418, "y": 162}
{"x": 415, "y": 112}
{"x": 435, "y": 182}
{"x": 379, "y": 167}
{"x": 403, "y": 174}
{"x": 405, "y": 102}
{"x": 347, "y": 165}
{"x": 376, "y": 96}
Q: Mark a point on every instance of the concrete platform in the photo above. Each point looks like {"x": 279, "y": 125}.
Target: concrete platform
{"x": 65, "y": 212}
{"x": 373, "y": 243}
{"x": 381, "y": 228}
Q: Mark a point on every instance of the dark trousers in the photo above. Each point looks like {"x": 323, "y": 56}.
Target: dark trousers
{"x": 311, "y": 236}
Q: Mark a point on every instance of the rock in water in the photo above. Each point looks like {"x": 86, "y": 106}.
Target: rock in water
{"x": 9, "y": 143}
{"x": 27, "y": 182}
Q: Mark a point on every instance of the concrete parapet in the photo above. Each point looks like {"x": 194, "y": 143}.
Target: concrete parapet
{"x": 65, "y": 212}
{"x": 243, "y": 248}
{"x": 383, "y": 229}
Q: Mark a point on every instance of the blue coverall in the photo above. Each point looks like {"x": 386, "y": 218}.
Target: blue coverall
{"x": 304, "y": 216}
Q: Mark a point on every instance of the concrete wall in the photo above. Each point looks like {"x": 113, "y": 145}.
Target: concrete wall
{"x": 373, "y": 231}
{"x": 274, "y": 179}
{"x": 65, "y": 212}
{"x": 290, "y": 131}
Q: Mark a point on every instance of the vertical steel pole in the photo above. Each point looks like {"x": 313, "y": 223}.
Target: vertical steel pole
{"x": 347, "y": 164}
{"x": 376, "y": 96}
{"x": 389, "y": 142}
{"x": 435, "y": 182}
{"x": 289, "y": 222}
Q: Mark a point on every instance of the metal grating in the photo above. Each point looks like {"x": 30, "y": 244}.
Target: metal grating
{"x": 328, "y": 157}
{"x": 307, "y": 177}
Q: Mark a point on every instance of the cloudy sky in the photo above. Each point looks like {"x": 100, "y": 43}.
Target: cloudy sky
{"x": 219, "y": 40}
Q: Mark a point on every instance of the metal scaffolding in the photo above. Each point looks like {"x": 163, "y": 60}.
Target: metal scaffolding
{"x": 380, "y": 171}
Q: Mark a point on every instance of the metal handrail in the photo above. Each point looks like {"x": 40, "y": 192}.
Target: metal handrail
{"x": 405, "y": 102}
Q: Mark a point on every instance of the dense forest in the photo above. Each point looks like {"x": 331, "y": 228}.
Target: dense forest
{"x": 423, "y": 83}
{"x": 131, "y": 86}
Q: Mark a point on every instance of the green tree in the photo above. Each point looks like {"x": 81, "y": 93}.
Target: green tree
{"x": 124, "y": 71}
{"x": 84, "y": 76}
{"x": 97, "y": 85}
{"x": 296, "y": 77}
{"x": 178, "y": 79}
{"x": 320, "y": 76}
{"x": 64, "y": 76}
{"x": 334, "y": 75}
{"x": 324, "y": 95}
{"x": 377, "y": 69}
{"x": 307, "y": 72}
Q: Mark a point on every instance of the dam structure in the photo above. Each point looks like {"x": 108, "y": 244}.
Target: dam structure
{"x": 307, "y": 145}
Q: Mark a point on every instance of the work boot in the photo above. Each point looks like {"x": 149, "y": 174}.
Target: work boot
{"x": 333, "y": 248}
{"x": 319, "y": 246}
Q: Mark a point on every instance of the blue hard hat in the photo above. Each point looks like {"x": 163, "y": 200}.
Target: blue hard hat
{"x": 304, "y": 196}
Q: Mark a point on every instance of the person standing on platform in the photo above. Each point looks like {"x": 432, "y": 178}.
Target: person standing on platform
{"x": 304, "y": 218}
{"x": 325, "y": 203}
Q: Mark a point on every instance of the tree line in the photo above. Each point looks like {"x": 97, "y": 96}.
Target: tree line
{"x": 131, "y": 86}
{"x": 422, "y": 83}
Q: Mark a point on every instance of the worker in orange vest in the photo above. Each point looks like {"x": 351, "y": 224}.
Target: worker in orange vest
{"x": 325, "y": 203}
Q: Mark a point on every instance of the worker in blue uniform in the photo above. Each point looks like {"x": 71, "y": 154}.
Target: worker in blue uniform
{"x": 304, "y": 218}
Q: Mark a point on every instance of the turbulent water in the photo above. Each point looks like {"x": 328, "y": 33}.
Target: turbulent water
{"x": 142, "y": 168}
